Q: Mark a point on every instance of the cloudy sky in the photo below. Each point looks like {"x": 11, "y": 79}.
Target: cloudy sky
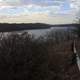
{"x": 41, "y": 11}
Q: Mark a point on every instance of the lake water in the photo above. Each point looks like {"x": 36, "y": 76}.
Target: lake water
{"x": 40, "y": 32}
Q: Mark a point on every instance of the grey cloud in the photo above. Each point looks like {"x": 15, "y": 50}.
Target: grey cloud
{"x": 43, "y": 2}
{"x": 36, "y": 2}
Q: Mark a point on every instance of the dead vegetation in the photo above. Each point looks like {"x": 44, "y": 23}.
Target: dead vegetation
{"x": 24, "y": 58}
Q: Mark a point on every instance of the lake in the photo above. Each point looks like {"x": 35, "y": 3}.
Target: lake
{"x": 40, "y": 32}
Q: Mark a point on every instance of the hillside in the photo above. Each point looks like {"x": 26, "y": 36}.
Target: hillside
{"x": 5, "y": 27}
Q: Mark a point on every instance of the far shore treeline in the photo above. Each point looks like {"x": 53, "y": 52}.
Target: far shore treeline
{"x": 6, "y": 27}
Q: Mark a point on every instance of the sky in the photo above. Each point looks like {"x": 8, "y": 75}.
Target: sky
{"x": 39, "y": 11}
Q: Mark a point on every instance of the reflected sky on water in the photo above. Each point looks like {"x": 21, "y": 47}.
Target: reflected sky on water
{"x": 42, "y": 32}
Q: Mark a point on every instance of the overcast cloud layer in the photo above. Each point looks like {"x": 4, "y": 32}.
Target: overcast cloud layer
{"x": 38, "y": 10}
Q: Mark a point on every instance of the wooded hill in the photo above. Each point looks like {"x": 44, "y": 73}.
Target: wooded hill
{"x": 5, "y": 27}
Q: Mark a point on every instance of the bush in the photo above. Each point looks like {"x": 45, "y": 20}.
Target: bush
{"x": 22, "y": 59}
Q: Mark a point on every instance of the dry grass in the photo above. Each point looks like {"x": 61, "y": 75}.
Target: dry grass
{"x": 23, "y": 58}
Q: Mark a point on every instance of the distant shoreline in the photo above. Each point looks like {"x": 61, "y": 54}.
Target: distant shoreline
{"x": 6, "y": 27}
